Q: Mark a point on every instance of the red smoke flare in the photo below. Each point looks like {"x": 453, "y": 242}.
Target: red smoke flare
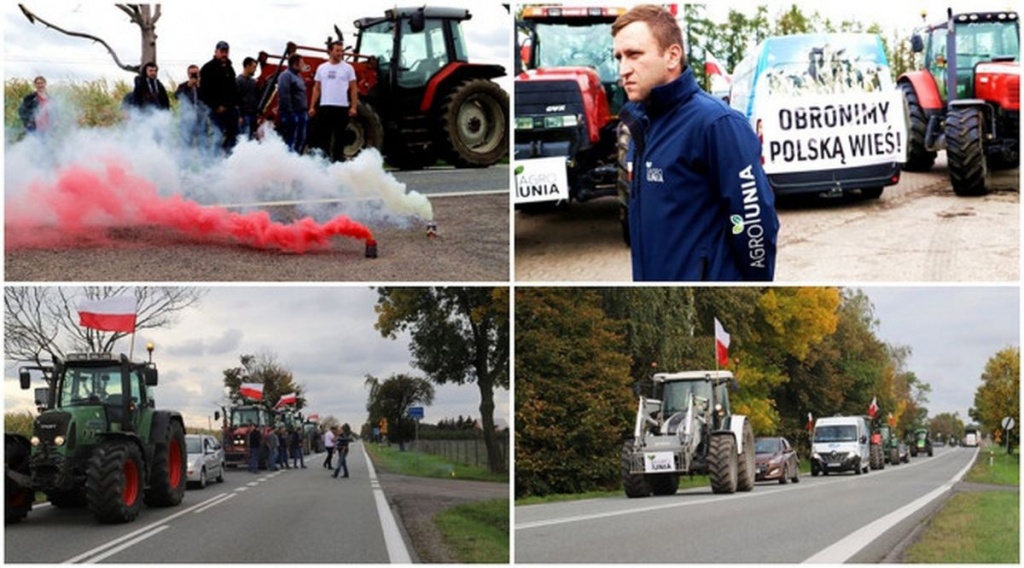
{"x": 83, "y": 200}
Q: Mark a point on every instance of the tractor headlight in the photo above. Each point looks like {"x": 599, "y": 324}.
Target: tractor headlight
{"x": 816, "y": 456}
{"x": 35, "y": 440}
{"x": 566, "y": 121}
{"x": 58, "y": 441}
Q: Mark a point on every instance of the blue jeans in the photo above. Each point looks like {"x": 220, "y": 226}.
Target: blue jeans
{"x": 248, "y": 128}
{"x": 254, "y": 460}
{"x": 293, "y": 130}
{"x": 298, "y": 458}
{"x": 342, "y": 454}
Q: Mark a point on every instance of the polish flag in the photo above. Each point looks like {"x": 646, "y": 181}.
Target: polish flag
{"x": 314, "y": 417}
{"x": 251, "y": 390}
{"x": 721, "y": 344}
{"x": 712, "y": 67}
{"x": 116, "y": 313}
{"x": 810, "y": 422}
{"x": 873, "y": 409}
{"x": 286, "y": 399}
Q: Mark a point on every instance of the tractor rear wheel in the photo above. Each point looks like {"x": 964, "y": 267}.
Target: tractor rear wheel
{"x": 622, "y": 139}
{"x": 664, "y": 483}
{"x": 877, "y": 459}
{"x": 968, "y": 168}
{"x": 722, "y": 463}
{"x": 113, "y": 485}
{"x": 635, "y": 484}
{"x": 364, "y": 131}
{"x": 474, "y": 124}
{"x": 894, "y": 456}
{"x": 747, "y": 467}
{"x": 170, "y": 469}
{"x": 17, "y": 499}
{"x": 919, "y": 159}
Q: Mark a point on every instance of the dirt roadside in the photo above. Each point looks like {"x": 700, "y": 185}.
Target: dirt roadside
{"x": 416, "y": 500}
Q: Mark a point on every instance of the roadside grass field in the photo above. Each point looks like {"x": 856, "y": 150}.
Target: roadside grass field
{"x": 978, "y": 526}
{"x": 420, "y": 464}
{"x": 477, "y": 532}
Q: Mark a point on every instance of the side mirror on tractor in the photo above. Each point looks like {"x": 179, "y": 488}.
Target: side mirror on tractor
{"x": 916, "y": 43}
{"x": 26, "y": 379}
{"x": 417, "y": 21}
{"x": 150, "y": 375}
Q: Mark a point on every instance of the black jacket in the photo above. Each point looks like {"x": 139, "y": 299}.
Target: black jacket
{"x": 146, "y": 95}
{"x": 217, "y": 84}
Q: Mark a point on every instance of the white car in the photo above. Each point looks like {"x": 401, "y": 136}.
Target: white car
{"x": 205, "y": 459}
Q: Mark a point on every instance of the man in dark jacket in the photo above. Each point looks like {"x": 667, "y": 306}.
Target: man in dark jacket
{"x": 700, "y": 207}
{"x": 31, "y": 109}
{"x": 149, "y": 92}
{"x": 255, "y": 446}
{"x": 248, "y": 98}
{"x": 292, "y": 105}
{"x": 218, "y": 91}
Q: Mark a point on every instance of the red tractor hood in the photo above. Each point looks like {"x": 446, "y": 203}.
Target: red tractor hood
{"x": 999, "y": 83}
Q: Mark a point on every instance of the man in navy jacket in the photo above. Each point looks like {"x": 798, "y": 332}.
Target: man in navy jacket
{"x": 700, "y": 207}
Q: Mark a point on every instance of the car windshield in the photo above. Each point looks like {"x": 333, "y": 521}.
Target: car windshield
{"x": 767, "y": 445}
{"x": 841, "y": 433}
{"x": 194, "y": 444}
{"x": 674, "y": 394}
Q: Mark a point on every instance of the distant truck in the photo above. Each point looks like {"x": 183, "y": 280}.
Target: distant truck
{"x": 826, "y": 112}
{"x": 971, "y": 437}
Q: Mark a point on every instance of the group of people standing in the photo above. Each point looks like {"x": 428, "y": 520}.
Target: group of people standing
{"x": 279, "y": 445}
{"x": 337, "y": 440}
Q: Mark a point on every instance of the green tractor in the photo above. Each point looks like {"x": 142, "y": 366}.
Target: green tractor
{"x": 888, "y": 444}
{"x": 921, "y": 443}
{"x": 98, "y": 441}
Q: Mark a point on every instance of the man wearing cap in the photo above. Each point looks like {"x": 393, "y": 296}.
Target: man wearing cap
{"x": 335, "y": 99}
{"x": 219, "y": 93}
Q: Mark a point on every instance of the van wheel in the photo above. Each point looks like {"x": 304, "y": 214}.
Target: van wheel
{"x": 858, "y": 468}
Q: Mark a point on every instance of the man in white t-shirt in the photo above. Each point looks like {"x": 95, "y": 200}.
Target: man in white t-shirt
{"x": 335, "y": 100}
{"x": 329, "y": 446}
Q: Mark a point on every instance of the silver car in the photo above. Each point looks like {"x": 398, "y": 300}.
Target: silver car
{"x": 205, "y": 459}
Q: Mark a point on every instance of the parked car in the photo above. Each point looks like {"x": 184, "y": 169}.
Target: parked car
{"x": 205, "y": 459}
{"x": 775, "y": 458}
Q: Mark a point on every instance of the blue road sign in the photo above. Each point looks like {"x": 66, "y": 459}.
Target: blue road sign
{"x": 416, "y": 412}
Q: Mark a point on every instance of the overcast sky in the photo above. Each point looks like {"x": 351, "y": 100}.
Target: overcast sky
{"x": 188, "y": 31}
{"x": 324, "y": 335}
{"x": 952, "y": 332}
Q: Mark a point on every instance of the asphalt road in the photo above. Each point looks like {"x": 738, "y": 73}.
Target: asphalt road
{"x": 293, "y": 516}
{"x": 919, "y": 230}
{"x": 834, "y": 519}
{"x": 440, "y": 180}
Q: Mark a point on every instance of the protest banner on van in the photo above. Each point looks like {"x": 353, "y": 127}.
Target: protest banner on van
{"x": 833, "y": 131}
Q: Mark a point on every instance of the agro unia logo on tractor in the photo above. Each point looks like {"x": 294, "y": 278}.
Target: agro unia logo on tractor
{"x": 750, "y": 221}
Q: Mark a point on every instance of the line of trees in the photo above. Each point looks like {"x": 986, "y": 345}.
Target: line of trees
{"x": 580, "y": 352}
{"x": 998, "y": 396}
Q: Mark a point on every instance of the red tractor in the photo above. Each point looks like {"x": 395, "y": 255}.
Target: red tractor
{"x": 420, "y": 98}
{"x": 966, "y": 100}
{"x": 239, "y": 422}
{"x": 567, "y": 103}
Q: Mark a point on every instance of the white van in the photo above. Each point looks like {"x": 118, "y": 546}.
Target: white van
{"x": 826, "y": 110}
{"x": 841, "y": 443}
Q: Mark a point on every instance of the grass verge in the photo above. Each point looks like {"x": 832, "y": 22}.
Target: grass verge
{"x": 1005, "y": 469}
{"x": 426, "y": 465}
{"x": 477, "y": 532}
{"x": 971, "y": 528}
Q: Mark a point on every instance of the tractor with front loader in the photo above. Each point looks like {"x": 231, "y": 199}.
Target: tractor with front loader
{"x": 966, "y": 99}
{"x": 688, "y": 427}
{"x": 99, "y": 441}
{"x": 420, "y": 99}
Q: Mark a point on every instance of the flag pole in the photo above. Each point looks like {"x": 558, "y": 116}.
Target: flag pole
{"x": 131, "y": 348}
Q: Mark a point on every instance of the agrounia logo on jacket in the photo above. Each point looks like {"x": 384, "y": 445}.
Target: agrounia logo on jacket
{"x": 750, "y": 221}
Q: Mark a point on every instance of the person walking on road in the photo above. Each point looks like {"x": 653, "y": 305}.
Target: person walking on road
{"x": 329, "y": 445}
{"x": 341, "y": 445}
{"x": 255, "y": 443}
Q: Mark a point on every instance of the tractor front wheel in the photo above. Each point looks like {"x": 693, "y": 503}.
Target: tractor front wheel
{"x": 113, "y": 485}
{"x": 170, "y": 469}
{"x": 968, "y": 168}
{"x": 919, "y": 159}
{"x": 722, "y": 463}
{"x": 635, "y": 484}
{"x": 474, "y": 124}
{"x": 364, "y": 131}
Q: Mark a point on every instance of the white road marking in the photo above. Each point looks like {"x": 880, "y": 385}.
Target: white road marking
{"x": 130, "y": 543}
{"x": 240, "y": 489}
{"x": 397, "y": 552}
{"x": 215, "y": 503}
{"x": 139, "y": 531}
{"x": 843, "y": 550}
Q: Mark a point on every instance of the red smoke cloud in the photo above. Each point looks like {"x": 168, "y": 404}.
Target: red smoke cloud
{"x": 83, "y": 200}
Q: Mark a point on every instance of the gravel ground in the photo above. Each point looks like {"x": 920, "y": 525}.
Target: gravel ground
{"x": 416, "y": 500}
{"x": 473, "y": 245}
